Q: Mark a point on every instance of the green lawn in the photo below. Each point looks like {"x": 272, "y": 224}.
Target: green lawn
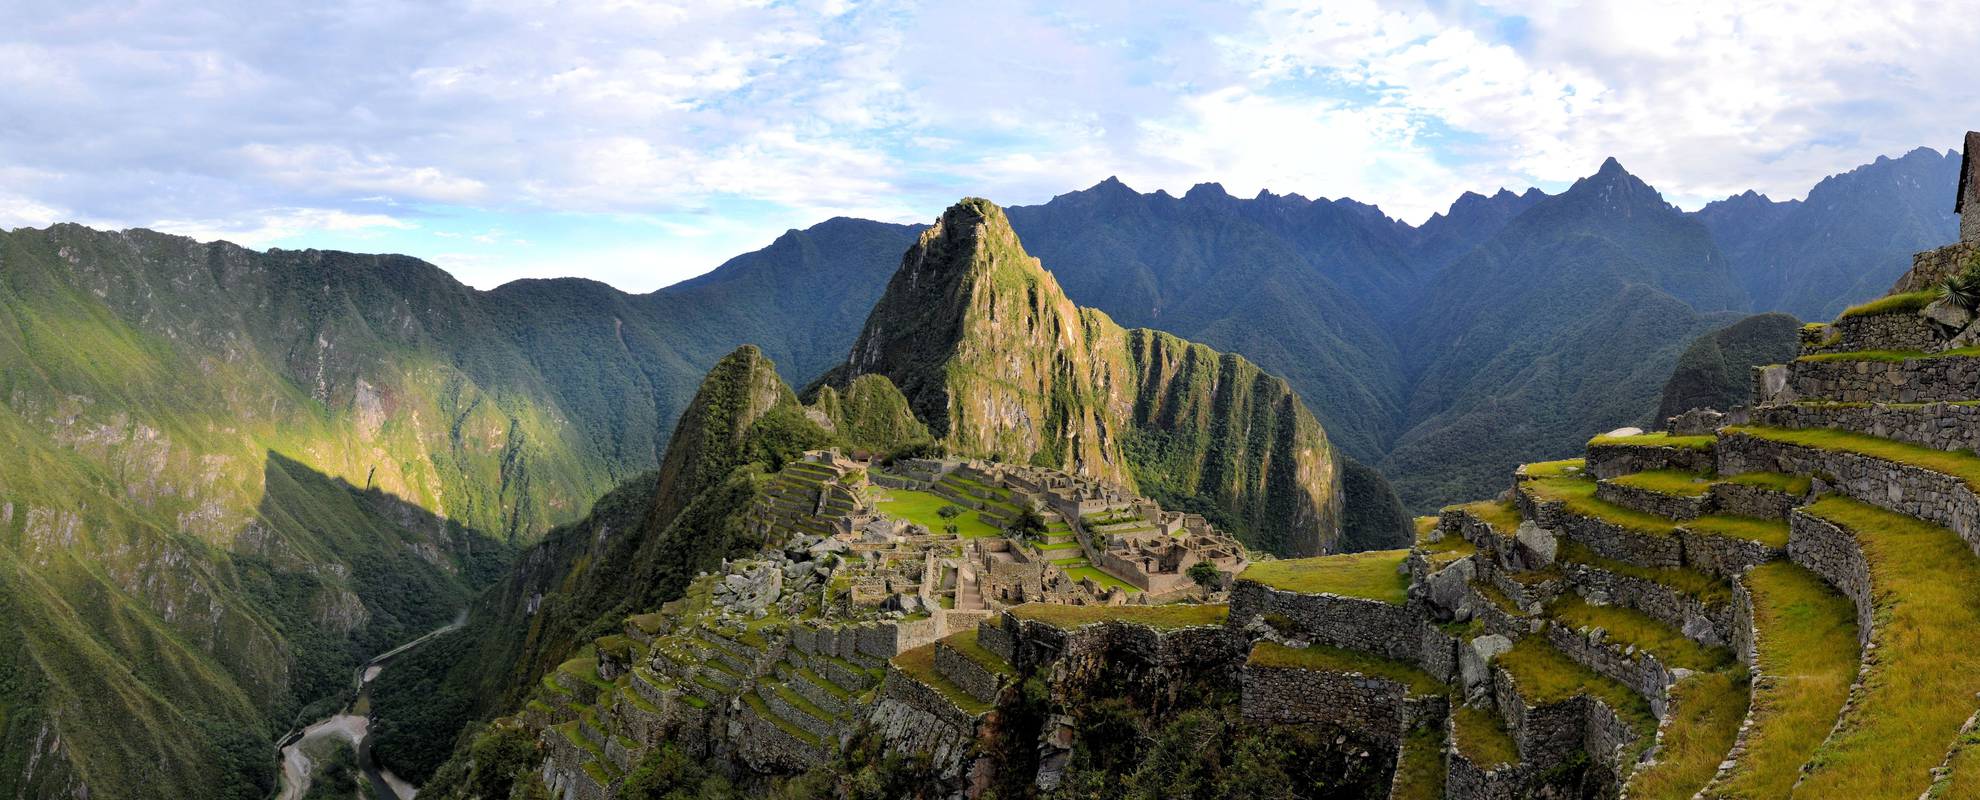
{"x": 1481, "y": 736}
{"x": 1709, "y": 709}
{"x": 1927, "y": 670}
{"x": 1658, "y": 439}
{"x": 966, "y": 644}
{"x": 1770, "y": 532}
{"x": 1963, "y": 465}
{"x": 1807, "y": 651}
{"x": 1374, "y": 575}
{"x": 1906, "y": 303}
{"x": 1578, "y": 495}
{"x": 1182, "y": 615}
{"x": 1322, "y": 658}
{"x": 920, "y": 508}
{"x": 1675, "y": 482}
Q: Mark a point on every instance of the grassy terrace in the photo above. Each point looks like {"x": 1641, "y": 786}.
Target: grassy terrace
{"x": 1770, "y": 532}
{"x": 919, "y": 664}
{"x": 1892, "y": 356}
{"x": 966, "y": 644}
{"x": 1807, "y": 653}
{"x": 1578, "y": 495}
{"x": 1675, "y": 482}
{"x": 1321, "y": 658}
{"x": 1374, "y": 575}
{"x": 1503, "y": 517}
{"x": 1420, "y": 767}
{"x": 762, "y": 709}
{"x": 921, "y": 508}
{"x": 1705, "y": 588}
{"x": 1100, "y": 576}
{"x": 1796, "y": 485}
{"x": 1493, "y": 595}
{"x": 1481, "y": 736}
{"x": 1709, "y": 709}
{"x": 1962, "y": 465}
{"x": 1445, "y": 550}
{"x": 1921, "y": 688}
{"x": 1906, "y": 303}
{"x": 1658, "y": 439}
{"x": 1627, "y": 626}
{"x": 1564, "y": 468}
{"x": 1545, "y": 675}
{"x": 1181, "y": 615}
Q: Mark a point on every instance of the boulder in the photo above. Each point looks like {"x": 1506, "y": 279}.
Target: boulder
{"x": 1947, "y": 314}
{"x": 1449, "y": 589}
{"x": 1475, "y": 663}
{"x": 1538, "y": 546}
{"x": 1770, "y": 385}
{"x": 1625, "y": 431}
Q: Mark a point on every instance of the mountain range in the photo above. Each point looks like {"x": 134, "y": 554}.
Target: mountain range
{"x": 238, "y": 473}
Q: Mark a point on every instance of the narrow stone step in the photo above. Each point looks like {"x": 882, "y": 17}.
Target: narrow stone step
{"x": 1614, "y": 456}
{"x": 1933, "y": 485}
{"x": 1939, "y": 426}
{"x": 1666, "y": 493}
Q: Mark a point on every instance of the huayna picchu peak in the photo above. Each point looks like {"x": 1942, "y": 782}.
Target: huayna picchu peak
{"x": 1000, "y": 364}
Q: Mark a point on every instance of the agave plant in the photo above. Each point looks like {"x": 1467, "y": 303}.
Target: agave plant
{"x": 1962, "y": 290}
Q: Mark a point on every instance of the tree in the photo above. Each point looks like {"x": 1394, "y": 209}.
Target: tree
{"x": 952, "y": 529}
{"x": 950, "y": 511}
{"x": 1205, "y": 574}
{"x": 1029, "y": 525}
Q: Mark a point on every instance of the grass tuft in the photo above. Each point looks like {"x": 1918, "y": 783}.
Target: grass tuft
{"x": 1906, "y": 303}
{"x": 1374, "y": 575}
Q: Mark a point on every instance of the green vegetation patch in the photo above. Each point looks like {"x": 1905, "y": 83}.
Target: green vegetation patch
{"x": 1374, "y": 575}
{"x": 1180, "y": 615}
{"x": 1658, "y": 439}
{"x": 1420, "y": 767}
{"x": 1493, "y": 595}
{"x": 1674, "y": 482}
{"x": 1927, "y": 587}
{"x": 1627, "y": 626}
{"x": 649, "y": 623}
{"x": 1564, "y": 468}
{"x": 762, "y": 709}
{"x": 1806, "y": 649}
{"x": 1321, "y": 658}
{"x": 1577, "y": 495}
{"x": 1545, "y": 675}
{"x": 1892, "y": 356}
{"x": 1796, "y": 485}
{"x": 922, "y": 508}
{"x": 1503, "y": 516}
{"x": 966, "y": 644}
{"x": 1424, "y": 525}
{"x": 1100, "y": 576}
{"x": 1963, "y": 464}
{"x": 1481, "y": 736}
{"x": 1906, "y": 303}
{"x": 1770, "y": 532}
{"x": 1446, "y": 550}
{"x": 919, "y": 664}
{"x": 1705, "y": 588}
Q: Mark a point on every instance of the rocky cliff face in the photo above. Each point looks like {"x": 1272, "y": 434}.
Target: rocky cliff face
{"x": 998, "y": 363}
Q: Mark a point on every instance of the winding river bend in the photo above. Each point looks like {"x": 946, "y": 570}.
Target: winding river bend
{"x": 354, "y": 729}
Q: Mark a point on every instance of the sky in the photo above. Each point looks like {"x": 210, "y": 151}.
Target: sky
{"x": 640, "y": 144}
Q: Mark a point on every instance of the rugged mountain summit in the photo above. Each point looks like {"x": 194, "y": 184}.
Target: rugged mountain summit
{"x": 997, "y": 361}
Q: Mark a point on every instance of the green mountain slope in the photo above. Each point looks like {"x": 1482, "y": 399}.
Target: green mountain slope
{"x": 1716, "y": 370}
{"x": 997, "y": 361}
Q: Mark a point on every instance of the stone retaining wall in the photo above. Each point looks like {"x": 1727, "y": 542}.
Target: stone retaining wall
{"x": 1708, "y": 624}
{"x": 1940, "y": 426}
{"x": 1828, "y": 550}
{"x": 766, "y": 747}
{"x": 1464, "y": 780}
{"x": 1664, "y": 505}
{"x": 1616, "y": 460}
{"x": 1932, "y": 266}
{"x": 1723, "y": 556}
{"x": 1901, "y": 331}
{"x": 1379, "y": 708}
{"x": 1917, "y": 380}
{"x": 1902, "y": 488}
{"x": 1751, "y": 501}
{"x": 1616, "y": 542}
{"x": 1640, "y": 671}
{"x": 1368, "y": 626}
{"x": 913, "y": 718}
{"x": 973, "y": 678}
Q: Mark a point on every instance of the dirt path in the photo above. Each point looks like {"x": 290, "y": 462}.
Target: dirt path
{"x": 296, "y": 765}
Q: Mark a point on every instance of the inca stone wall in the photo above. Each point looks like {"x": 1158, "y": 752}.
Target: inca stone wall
{"x": 1833, "y": 553}
{"x": 1931, "y": 267}
{"x": 1751, "y": 501}
{"x": 915, "y": 718}
{"x": 1907, "y": 490}
{"x": 1610, "y": 461}
{"x": 1916, "y": 380}
{"x": 1940, "y": 426}
{"x": 1664, "y": 505}
{"x": 1723, "y": 556}
{"x": 974, "y": 679}
{"x": 1370, "y": 626}
{"x": 1379, "y": 708}
{"x": 1637, "y": 669}
{"x": 1708, "y": 623}
{"x": 1902, "y": 331}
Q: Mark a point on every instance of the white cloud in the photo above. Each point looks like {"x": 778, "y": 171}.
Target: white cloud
{"x": 273, "y": 227}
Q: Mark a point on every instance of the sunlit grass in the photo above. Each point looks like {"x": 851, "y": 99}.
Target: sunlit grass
{"x": 1806, "y": 651}
{"x": 1674, "y": 482}
{"x": 1960, "y": 464}
{"x": 1321, "y": 658}
{"x": 1482, "y": 738}
{"x": 1502, "y": 516}
{"x": 1627, "y": 626}
{"x": 1709, "y": 709}
{"x": 1374, "y": 575}
{"x": 1658, "y": 439}
{"x": 1770, "y": 532}
{"x": 1578, "y": 495}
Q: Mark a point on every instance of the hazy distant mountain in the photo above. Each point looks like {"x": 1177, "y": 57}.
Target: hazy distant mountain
{"x": 1716, "y": 370}
{"x": 1849, "y": 241}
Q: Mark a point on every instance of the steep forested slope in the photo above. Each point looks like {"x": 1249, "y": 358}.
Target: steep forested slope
{"x": 1716, "y": 370}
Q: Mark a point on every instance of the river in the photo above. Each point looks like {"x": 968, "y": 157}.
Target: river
{"x": 355, "y": 729}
